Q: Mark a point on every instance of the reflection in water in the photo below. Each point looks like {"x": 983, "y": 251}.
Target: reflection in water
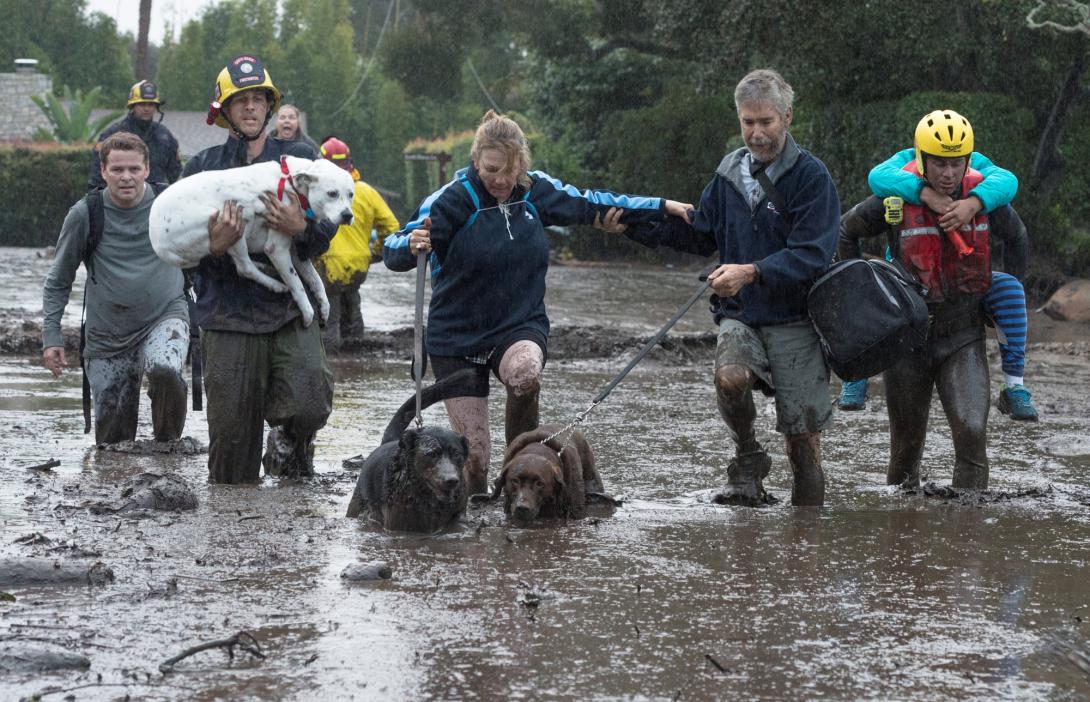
{"x": 880, "y": 595}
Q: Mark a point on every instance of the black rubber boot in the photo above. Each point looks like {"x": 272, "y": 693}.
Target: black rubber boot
{"x": 521, "y": 414}
{"x": 744, "y": 475}
{"x": 287, "y": 456}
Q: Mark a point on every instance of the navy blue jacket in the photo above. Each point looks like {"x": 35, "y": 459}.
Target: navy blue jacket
{"x": 164, "y": 159}
{"x": 488, "y": 265}
{"x": 790, "y": 252}
{"x": 225, "y": 300}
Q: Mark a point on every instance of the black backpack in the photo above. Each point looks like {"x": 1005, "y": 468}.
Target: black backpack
{"x": 869, "y": 314}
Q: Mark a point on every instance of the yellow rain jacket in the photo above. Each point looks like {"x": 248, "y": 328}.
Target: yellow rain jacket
{"x": 349, "y": 254}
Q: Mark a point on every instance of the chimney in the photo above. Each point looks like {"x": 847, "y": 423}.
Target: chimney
{"x": 26, "y": 65}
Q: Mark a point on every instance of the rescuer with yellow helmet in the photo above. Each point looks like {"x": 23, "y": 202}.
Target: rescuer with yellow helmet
{"x": 261, "y": 364}
{"x": 164, "y": 160}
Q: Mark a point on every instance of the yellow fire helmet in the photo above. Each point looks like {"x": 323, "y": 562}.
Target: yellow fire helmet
{"x": 144, "y": 91}
{"x": 943, "y": 133}
{"x": 244, "y": 72}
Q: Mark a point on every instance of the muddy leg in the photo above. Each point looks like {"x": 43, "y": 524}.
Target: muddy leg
{"x": 908, "y": 398}
{"x": 469, "y": 417}
{"x": 299, "y": 398}
{"x": 236, "y": 375}
{"x": 115, "y": 391}
{"x": 804, "y": 454}
{"x": 352, "y": 315}
{"x": 520, "y": 372}
{"x": 734, "y": 395}
{"x": 963, "y": 390}
{"x": 164, "y": 355}
{"x": 331, "y": 333}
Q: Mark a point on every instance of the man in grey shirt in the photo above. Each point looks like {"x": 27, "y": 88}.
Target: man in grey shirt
{"x": 137, "y": 320}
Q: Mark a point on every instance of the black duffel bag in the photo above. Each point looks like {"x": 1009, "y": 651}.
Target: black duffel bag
{"x": 868, "y": 313}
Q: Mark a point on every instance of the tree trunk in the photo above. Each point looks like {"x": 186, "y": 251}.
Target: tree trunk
{"x": 142, "y": 41}
{"x": 1047, "y": 164}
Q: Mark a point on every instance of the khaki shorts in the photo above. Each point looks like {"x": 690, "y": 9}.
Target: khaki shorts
{"x": 789, "y": 364}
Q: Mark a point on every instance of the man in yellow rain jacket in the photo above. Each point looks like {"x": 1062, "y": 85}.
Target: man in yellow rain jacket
{"x": 344, "y": 266}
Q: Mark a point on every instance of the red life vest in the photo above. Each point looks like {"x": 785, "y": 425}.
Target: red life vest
{"x": 927, "y": 250}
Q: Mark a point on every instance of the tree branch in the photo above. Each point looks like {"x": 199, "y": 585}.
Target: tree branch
{"x": 1081, "y": 9}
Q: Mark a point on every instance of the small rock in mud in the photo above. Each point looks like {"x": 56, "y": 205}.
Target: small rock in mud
{"x": 22, "y": 658}
{"x": 360, "y": 572}
{"x": 185, "y": 446}
{"x": 1067, "y": 445}
{"x": 150, "y": 491}
{"x": 30, "y": 572}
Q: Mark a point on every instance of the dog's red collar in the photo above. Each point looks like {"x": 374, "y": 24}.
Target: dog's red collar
{"x": 285, "y": 178}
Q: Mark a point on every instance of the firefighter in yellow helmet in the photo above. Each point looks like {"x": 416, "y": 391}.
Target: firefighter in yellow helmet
{"x": 261, "y": 364}
{"x": 344, "y": 267}
{"x": 164, "y": 159}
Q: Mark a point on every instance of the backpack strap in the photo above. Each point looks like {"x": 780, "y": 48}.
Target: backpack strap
{"x": 773, "y": 193}
{"x": 96, "y": 216}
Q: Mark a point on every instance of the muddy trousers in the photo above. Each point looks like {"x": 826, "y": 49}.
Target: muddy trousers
{"x": 281, "y": 377}
{"x": 115, "y": 385}
{"x": 345, "y": 318}
{"x": 958, "y": 367}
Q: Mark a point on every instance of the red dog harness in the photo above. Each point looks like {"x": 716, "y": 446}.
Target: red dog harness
{"x": 286, "y": 179}
{"x": 948, "y": 265}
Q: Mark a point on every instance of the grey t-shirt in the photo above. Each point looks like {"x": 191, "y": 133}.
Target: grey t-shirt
{"x": 133, "y": 289}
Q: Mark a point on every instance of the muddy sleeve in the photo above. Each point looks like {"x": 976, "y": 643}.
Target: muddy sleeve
{"x": 1010, "y": 230}
{"x": 865, "y": 220}
{"x": 447, "y": 209}
{"x": 58, "y": 282}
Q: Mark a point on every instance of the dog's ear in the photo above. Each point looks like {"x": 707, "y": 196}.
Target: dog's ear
{"x": 303, "y": 180}
{"x": 465, "y": 447}
{"x": 501, "y": 480}
{"x": 408, "y": 440}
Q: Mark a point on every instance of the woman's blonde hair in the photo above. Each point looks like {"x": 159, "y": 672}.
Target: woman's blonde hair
{"x": 503, "y": 134}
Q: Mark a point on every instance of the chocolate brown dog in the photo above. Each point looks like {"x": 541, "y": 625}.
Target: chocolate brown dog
{"x": 541, "y": 480}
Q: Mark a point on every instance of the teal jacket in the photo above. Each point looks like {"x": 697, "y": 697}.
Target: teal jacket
{"x": 887, "y": 178}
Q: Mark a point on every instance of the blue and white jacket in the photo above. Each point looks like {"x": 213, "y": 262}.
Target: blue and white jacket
{"x": 488, "y": 261}
{"x": 791, "y": 249}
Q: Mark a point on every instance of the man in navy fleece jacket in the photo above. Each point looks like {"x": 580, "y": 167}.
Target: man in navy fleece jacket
{"x": 771, "y": 249}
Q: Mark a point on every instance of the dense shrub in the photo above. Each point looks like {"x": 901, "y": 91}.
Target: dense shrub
{"x": 38, "y": 184}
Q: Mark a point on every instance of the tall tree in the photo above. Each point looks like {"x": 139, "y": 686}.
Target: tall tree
{"x": 142, "y": 40}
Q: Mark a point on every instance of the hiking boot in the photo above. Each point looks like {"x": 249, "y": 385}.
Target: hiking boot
{"x": 1015, "y": 401}
{"x": 853, "y": 395}
{"x": 744, "y": 475}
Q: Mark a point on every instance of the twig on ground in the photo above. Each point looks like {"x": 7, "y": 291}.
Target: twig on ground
{"x": 251, "y": 516}
{"x": 48, "y": 465}
{"x": 243, "y": 639}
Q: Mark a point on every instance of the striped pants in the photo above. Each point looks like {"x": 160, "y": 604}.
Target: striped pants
{"x": 1005, "y": 303}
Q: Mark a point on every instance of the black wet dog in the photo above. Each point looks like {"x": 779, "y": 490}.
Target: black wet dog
{"x": 414, "y": 480}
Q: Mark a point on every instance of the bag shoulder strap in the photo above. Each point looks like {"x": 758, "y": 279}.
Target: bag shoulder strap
{"x": 97, "y": 218}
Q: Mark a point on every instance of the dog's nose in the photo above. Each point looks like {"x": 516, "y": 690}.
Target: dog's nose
{"x": 523, "y": 513}
{"x": 451, "y": 484}
{"x": 346, "y": 216}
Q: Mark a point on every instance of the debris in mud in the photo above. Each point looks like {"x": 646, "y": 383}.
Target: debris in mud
{"x": 16, "y": 657}
{"x": 1066, "y": 445}
{"x": 35, "y": 538}
{"x": 1070, "y": 647}
{"x": 243, "y": 639}
{"x": 48, "y": 465}
{"x": 360, "y": 572}
{"x": 29, "y": 572}
{"x": 532, "y": 594}
{"x": 977, "y": 497}
{"x": 185, "y": 446}
{"x": 167, "y": 590}
{"x": 150, "y": 491}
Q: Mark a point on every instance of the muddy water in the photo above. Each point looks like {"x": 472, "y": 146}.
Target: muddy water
{"x": 879, "y": 595}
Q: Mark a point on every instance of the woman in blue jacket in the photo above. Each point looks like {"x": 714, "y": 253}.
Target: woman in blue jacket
{"x": 484, "y": 233}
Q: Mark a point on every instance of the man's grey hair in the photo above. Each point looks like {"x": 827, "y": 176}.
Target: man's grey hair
{"x": 767, "y": 86}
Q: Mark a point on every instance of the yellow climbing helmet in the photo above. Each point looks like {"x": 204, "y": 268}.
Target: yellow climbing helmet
{"x": 241, "y": 73}
{"x": 943, "y": 133}
{"x": 144, "y": 91}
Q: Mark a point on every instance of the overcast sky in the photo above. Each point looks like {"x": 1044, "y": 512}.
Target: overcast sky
{"x": 163, "y": 12}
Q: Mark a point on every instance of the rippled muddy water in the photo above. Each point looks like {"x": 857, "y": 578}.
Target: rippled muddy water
{"x": 879, "y": 595}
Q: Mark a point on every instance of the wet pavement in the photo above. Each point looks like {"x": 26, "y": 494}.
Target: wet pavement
{"x": 880, "y": 595}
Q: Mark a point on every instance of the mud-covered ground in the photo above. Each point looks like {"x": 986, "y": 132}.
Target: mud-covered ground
{"x": 880, "y": 595}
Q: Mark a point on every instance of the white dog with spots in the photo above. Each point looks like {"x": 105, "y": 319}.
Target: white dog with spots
{"x": 180, "y": 214}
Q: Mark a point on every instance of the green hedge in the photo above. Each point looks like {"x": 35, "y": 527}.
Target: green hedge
{"x": 38, "y": 185}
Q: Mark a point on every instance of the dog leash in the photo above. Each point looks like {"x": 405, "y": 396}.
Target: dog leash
{"x": 570, "y": 428}
{"x": 418, "y": 327}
